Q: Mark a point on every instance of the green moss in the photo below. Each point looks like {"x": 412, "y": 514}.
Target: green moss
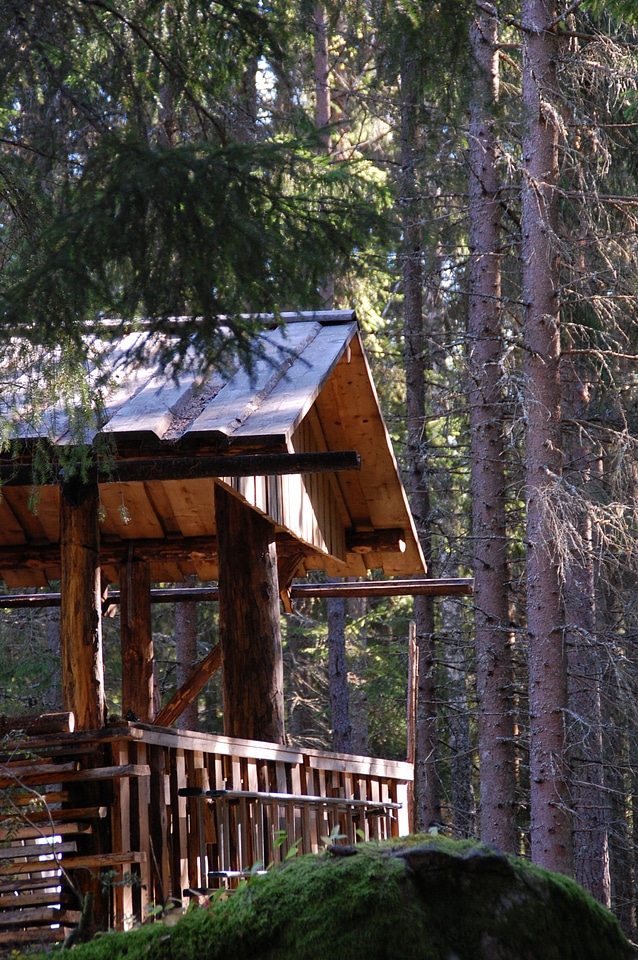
{"x": 422, "y": 899}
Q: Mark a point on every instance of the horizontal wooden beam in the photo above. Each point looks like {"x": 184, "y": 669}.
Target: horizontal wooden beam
{"x": 376, "y": 541}
{"x": 157, "y": 467}
{"x": 186, "y": 549}
{"x": 417, "y": 586}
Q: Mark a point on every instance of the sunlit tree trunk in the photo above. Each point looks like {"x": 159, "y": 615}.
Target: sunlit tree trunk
{"x": 493, "y": 656}
{"x": 550, "y": 825}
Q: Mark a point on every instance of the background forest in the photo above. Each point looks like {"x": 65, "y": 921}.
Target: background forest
{"x": 464, "y": 174}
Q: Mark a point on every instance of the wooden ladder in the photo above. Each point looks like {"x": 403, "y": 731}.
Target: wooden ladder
{"x": 40, "y": 835}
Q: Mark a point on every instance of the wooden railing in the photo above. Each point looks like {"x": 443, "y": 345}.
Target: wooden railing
{"x": 171, "y": 813}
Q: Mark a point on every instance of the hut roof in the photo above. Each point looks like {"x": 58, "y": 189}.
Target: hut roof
{"x": 309, "y": 391}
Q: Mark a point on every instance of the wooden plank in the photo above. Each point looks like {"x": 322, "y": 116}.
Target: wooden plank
{"x": 35, "y": 880}
{"x": 39, "y": 916}
{"x": 192, "y": 505}
{"x": 151, "y": 409}
{"x": 369, "y": 766}
{"x": 12, "y": 530}
{"x": 128, "y": 512}
{"x": 59, "y": 819}
{"x": 284, "y": 407}
{"x": 20, "y": 501}
{"x": 45, "y": 830}
{"x": 197, "y": 680}
{"x": 37, "y": 850}
{"x": 33, "y": 938}
{"x": 121, "y": 829}
{"x": 45, "y": 898}
{"x": 94, "y": 862}
{"x": 51, "y": 774}
{"x": 245, "y": 391}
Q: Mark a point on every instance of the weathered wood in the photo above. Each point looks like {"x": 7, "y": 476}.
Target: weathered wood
{"x": 379, "y": 541}
{"x": 80, "y": 618}
{"x": 38, "y": 724}
{"x": 93, "y": 862}
{"x": 136, "y": 633}
{"x": 249, "y": 622}
{"x": 419, "y": 586}
{"x": 157, "y": 467}
{"x": 197, "y": 680}
{"x": 67, "y": 773}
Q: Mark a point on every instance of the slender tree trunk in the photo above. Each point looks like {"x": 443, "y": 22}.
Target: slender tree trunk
{"x": 589, "y": 799}
{"x": 549, "y": 800}
{"x": 186, "y": 649}
{"x": 427, "y": 804}
{"x": 458, "y": 719}
{"x": 356, "y": 608}
{"x": 322, "y": 111}
{"x": 338, "y": 676}
{"x": 493, "y": 652}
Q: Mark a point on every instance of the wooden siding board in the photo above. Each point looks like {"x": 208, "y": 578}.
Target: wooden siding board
{"x": 12, "y": 530}
{"x": 128, "y": 512}
{"x": 20, "y": 500}
{"x": 193, "y": 506}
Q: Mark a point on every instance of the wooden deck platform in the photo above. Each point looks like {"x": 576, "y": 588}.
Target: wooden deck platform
{"x": 161, "y": 815}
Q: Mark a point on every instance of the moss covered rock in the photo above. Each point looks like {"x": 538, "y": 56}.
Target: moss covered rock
{"x": 421, "y": 899}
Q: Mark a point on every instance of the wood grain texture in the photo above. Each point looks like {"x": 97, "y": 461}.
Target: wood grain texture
{"x": 249, "y": 627}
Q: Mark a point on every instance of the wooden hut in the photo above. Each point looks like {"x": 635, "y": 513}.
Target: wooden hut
{"x": 249, "y": 479}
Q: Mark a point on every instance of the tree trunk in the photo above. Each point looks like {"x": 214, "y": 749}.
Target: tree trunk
{"x": 136, "y": 629}
{"x": 356, "y": 608}
{"x": 458, "y": 720}
{"x": 249, "y": 627}
{"x": 81, "y": 606}
{"x": 427, "y": 807}
{"x": 589, "y": 798}
{"x": 338, "y": 676}
{"x": 493, "y": 656}
{"x": 186, "y": 648}
{"x": 549, "y": 802}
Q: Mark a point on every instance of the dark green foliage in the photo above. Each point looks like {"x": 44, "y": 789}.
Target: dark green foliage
{"x": 420, "y": 898}
{"x": 213, "y": 233}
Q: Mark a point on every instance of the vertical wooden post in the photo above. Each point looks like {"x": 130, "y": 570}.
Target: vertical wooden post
{"x": 249, "y": 625}
{"x": 136, "y": 634}
{"x": 81, "y": 607}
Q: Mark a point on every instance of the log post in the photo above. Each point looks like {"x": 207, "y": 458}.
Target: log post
{"x": 249, "y": 624}
{"x": 136, "y": 635}
{"x": 81, "y": 605}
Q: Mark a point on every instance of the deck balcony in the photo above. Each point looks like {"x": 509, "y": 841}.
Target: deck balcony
{"x": 161, "y": 816}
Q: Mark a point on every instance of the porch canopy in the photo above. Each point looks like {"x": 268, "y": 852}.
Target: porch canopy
{"x": 248, "y": 478}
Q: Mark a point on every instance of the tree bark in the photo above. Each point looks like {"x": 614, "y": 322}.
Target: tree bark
{"x": 427, "y": 806}
{"x": 338, "y": 676}
{"x": 586, "y": 760}
{"x": 249, "y": 626}
{"x": 81, "y": 606}
{"x": 493, "y": 652}
{"x": 137, "y": 641}
{"x": 550, "y": 825}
